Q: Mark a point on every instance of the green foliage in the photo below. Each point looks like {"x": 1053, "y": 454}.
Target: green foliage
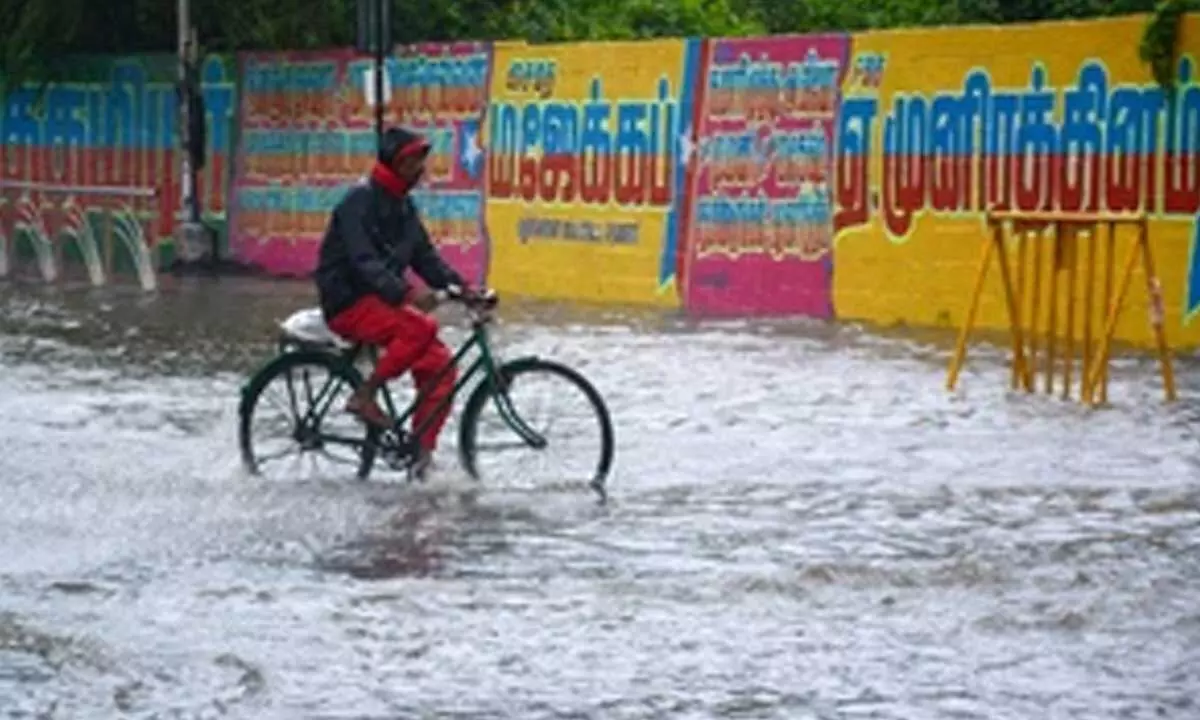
{"x": 1159, "y": 46}
{"x": 784, "y": 16}
{"x": 35, "y": 32}
{"x": 33, "y": 35}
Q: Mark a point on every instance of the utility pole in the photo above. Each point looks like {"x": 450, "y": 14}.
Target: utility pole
{"x": 374, "y": 35}
{"x": 185, "y": 163}
{"x": 185, "y": 233}
{"x": 380, "y": 34}
{"x": 190, "y": 233}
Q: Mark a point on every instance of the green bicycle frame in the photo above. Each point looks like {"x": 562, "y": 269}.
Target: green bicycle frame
{"x": 485, "y": 363}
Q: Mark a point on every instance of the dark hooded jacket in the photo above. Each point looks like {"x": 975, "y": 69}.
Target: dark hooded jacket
{"x": 373, "y": 236}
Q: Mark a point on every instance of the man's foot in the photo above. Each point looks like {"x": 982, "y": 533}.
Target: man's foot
{"x": 421, "y": 466}
{"x": 366, "y": 409}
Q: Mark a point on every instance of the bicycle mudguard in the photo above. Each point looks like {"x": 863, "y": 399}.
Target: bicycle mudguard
{"x": 521, "y": 361}
{"x": 517, "y": 363}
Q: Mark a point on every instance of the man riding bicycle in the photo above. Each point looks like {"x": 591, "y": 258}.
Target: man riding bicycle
{"x": 374, "y": 235}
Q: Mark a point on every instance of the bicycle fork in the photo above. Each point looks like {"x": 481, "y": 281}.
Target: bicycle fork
{"x": 513, "y": 420}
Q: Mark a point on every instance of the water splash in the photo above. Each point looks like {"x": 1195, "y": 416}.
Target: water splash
{"x": 29, "y": 221}
{"x": 79, "y": 229}
{"x": 128, "y": 230}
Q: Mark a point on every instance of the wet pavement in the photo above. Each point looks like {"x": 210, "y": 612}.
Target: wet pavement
{"x": 803, "y": 525}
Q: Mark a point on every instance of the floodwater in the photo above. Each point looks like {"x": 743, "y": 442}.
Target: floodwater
{"x": 803, "y": 525}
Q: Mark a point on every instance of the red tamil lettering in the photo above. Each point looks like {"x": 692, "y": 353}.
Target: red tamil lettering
{"x": 1123, "y": 178}
{"x": 737, "y": 103}
{"x": 316, "y": 223}
{"x": 163, "y": 170}
{"x": 730, "y": 237}
{"x": 951, "y": 180}
{"x": 814, "y": 101}
{"x": 997, "y": 172}
{"x": 449, "y": 102}
{"x": 527, "y": 178}
{"x": 558, "y": 182}
{"x": 500, "y": 174}
{"x": 733, "y": 173}
{"x": 12, "y": 160}
{"x": 817, "y": 171}
{"x": 466, "y": 101}
{"x": 752, "y": 236}
{"x": 1181, "y": 195}
{"x": 760, "y": 106}
{"x": 437, "y": 96}
{"x": 850, "y": 191}
{"x": 1034, "y": 181}
{"x": 714, "y": 238}
{"x": 903, "y": 191}
{"x": 406, "y": 100}
{"x": 320, "y": 106}
{"x": 354, "y": 106}
{"x": 121, "y": 168}
{"x": 1078, "y": 182}
{"x": 257, "y": 107}
{"x": 716, "y": 174}
{"x": 661, "y": 171}
{"x": 789, "y": 101}
{"x": 630, "y": 182}
{"x": 1150, "y": 193}
{"x": 35, "y": 162}
{"x": 322, "y": 164}
{"x": 596, "y": 171}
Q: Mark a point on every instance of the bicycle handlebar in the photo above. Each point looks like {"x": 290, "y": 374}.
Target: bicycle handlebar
{"x": 484, "y": 299}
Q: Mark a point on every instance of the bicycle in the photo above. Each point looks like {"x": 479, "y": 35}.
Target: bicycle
{"x": 306, "y": 343}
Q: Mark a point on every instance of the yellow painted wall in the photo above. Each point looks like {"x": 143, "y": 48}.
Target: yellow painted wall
{"x": 924, "y": 276}
{"x": 543, "y": 247}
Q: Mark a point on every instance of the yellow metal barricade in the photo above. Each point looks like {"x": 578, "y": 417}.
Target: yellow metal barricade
{"x": 1024, "y": 288}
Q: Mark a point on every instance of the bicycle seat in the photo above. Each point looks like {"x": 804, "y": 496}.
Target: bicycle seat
{"x": 308, "y": 327}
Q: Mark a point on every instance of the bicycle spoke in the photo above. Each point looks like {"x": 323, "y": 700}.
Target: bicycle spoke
{"x": 339, "y": 440}
{"x": 290, "y": 420}
{"x": 292, "y": 398}
{"x": 502, "y": 446}
{"x": 290, "y": 412}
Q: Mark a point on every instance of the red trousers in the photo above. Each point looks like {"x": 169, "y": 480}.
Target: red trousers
{"x": 409, "y": 341}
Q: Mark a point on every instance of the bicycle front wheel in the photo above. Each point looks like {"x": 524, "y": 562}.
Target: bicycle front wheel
{"x": 570, "y": 450}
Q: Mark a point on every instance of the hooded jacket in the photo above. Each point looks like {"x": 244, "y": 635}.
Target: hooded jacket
{"x": 374, "y": 235}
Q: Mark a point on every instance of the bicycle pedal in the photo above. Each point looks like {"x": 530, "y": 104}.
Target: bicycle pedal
{"x": 397, "y": 461}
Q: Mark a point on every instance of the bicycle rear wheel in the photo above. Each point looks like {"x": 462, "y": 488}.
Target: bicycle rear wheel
{"x": 291, "y": 419}
{"x": 493, "y": 447}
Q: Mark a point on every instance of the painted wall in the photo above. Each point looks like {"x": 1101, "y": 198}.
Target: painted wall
{"x": 112, "y": 125}
{"x": 308, "y": 134}
{"x": 587, "y": 147}
{"x": 832, "y": 176}
{"x": 936, "y": 126}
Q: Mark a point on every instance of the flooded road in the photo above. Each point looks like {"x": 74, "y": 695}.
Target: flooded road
{"x": 803, "y": 525}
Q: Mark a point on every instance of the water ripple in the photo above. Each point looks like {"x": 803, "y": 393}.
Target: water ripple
{"x": 804, "y": 526}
